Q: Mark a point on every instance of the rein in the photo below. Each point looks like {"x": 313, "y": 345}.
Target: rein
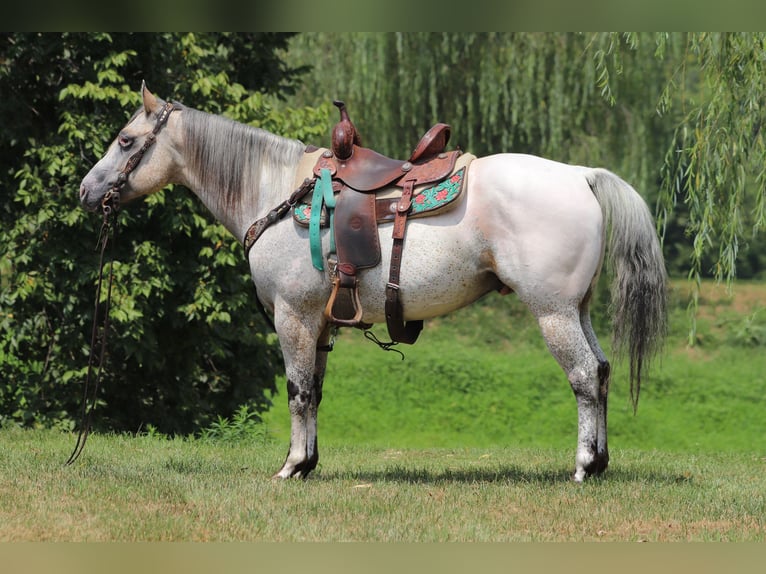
{"x": 110, "y": 205}
{"x": 108, "y": 227}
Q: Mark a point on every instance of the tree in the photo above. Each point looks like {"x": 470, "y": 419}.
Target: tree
{"x": 678, "y": 115}
{"x": 716, "y": 163}
{"x": 187, "y": 343}
{"x": 564, "y": 96}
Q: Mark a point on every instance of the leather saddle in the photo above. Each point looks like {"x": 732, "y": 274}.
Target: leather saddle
{"x": 358, "y": 175}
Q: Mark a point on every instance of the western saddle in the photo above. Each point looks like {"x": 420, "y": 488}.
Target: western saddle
{"x": 350, "y": 182}
{"x": 358, "y": 173}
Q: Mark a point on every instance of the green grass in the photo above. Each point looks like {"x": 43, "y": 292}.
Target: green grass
{"x": 152, "y": 489}
{"x": 692, "y": 403}
{"x": 483, "y": 377}
{"x": 471, "y": 438}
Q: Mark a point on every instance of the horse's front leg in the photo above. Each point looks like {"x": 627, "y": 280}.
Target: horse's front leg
{"x": 305, "y": 365}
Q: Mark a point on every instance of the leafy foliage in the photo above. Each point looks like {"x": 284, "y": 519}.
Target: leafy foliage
{"x": 186, "y": 343}
{"x": 678, "y": 115}
{"x": 571, "y": 97}
{"x": 243, "y": 425}
{"x": 714, "y": 175}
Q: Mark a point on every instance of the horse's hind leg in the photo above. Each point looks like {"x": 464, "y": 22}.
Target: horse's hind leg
{"x": 305, "y": 369}
{"x": 566, "y": 339}
{"x": 602, "y": 448}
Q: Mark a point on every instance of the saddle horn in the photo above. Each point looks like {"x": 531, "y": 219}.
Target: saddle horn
{"x": 344, "y": 134}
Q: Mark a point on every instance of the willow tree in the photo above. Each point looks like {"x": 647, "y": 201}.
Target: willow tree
{"x": 678, "y": 115}
{"x": 716, "y": 163}
{"x": 538, "y": 93}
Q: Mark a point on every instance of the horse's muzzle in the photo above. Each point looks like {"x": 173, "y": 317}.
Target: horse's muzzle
{"x": 87, "y": 199}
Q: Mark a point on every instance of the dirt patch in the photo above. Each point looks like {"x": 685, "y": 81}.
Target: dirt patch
{"x": 743, "y": 298}
{"x": 671, "y": 530}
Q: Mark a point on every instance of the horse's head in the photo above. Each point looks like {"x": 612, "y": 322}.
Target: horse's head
{"x": 139, "y": 161}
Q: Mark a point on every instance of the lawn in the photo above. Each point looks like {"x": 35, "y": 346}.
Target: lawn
{"x": 469, "y": 439}
{"x": 483, "y": 377}
{"x": 150, "y": 488}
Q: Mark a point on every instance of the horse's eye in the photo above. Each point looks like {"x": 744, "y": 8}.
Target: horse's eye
{"x": 124, "y": 141}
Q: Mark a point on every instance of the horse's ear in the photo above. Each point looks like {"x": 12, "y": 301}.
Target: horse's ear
{"x": 151, "y": 102}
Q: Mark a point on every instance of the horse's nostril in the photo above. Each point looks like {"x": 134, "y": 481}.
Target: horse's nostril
{"x": 83, "y": 191}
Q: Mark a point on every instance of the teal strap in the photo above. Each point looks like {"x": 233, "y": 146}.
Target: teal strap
{"x": 320, "y": 194}
{"x": 329, "y": 201}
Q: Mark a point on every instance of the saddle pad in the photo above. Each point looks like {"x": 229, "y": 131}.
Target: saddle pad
{"x": 427, "y": 200}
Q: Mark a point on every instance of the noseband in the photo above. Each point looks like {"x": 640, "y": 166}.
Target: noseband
{"x": 111, "y": 199}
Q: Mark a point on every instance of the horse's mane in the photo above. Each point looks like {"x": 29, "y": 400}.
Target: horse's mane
{"x": 231, "y": 157}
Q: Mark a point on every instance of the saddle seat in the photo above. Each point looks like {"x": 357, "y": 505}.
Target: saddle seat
{"x": 366, "y": 170}
{"x": 358, "y": 175}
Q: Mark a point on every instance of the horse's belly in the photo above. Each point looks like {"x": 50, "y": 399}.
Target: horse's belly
{"x": 442, "y": 270}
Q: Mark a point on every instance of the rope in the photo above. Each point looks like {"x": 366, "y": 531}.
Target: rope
{"x": 369, "y": 335}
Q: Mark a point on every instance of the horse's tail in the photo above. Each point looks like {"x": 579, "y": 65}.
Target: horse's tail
{"x": 634, "y": 257}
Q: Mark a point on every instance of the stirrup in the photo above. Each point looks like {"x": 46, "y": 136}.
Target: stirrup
{"x": 349, "y": 300}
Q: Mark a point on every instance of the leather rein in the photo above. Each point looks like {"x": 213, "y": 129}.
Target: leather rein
{"x": 110, "y": 205}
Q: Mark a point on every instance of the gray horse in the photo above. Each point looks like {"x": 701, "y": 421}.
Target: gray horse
{"x": 523, "y": 224}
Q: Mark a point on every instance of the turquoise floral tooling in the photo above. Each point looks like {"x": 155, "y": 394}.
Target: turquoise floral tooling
{"x": 427, "y": 200}
{"x": 439, "y": 195}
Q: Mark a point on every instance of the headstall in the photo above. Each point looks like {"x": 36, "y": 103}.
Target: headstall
{"x": 111, "y": 200}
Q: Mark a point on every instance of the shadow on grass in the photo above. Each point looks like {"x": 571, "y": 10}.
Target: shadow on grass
{"x": 506, "y": 474}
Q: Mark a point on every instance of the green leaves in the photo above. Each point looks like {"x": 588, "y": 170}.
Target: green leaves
{"x": 244, "y": 425}
{"x": 714, "y": 174}
{"x": 678, "y": 115}
{"x": 601, "y": 57}
{"x": 186, "y": 344}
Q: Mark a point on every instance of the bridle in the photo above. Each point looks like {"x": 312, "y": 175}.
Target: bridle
{"x": 111, "y": 199}
{"x": 110, "y": 205}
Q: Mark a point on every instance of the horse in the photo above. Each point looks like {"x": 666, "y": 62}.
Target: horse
{"x": 535, "y": 227}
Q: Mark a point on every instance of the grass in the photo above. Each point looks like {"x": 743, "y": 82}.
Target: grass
{"x": 153, "y": 489}
{"x": 471, "y": 438}
{"x": 483, "y": 377}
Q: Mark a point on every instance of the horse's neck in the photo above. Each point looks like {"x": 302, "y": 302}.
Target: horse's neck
{"x": 238, "y": 172}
